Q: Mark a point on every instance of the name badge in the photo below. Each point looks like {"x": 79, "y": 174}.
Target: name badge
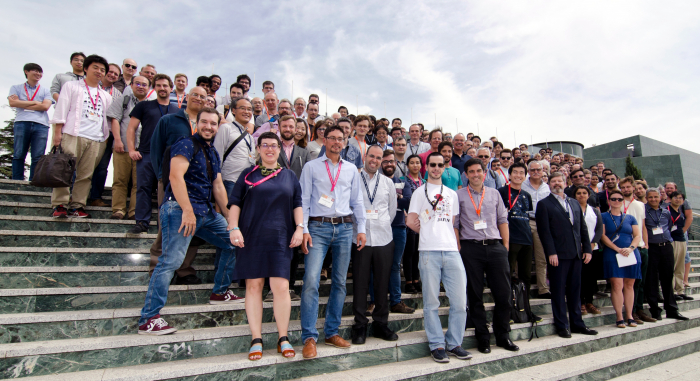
{"x": 657, "y": 231}
{"x": 372, "y": 214}
{"x": 616, "y": 238}
{"x": 93, "y": 117}
{"x": 425, "y": 216}
{"x": 251, "y": 158}
{"x": 398, "y": 186}
{"x": 673, "y": 229}
{"x": 479, "y": 225}
{"x": 326, "y": 201}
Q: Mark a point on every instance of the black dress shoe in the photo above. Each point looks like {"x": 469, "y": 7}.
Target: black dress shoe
{"x": 676, "y": 316}
{"x": 584, "y": 331}
{"x": 484, "y": 346}
{"x": 678, "y": 298}
{"x": 565, "y": 333}
{"x": 382, "y": 331}
{"x": 546, "y": 295}
{"x": 656, "y": 316}
{"x": 686, "y": 297}
{"x": 359, "y": 334}
{"x": 508, "y": 345}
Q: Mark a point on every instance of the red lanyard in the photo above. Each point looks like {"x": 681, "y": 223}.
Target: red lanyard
{"x": 97, "y": 99}
{"x": 149, "y": 93}
{"x": 179, "y": 102}
{"x": 418, "y": 183}
{"x": 626, "y": 207}
{"x": 478, "y": 210}
{"x": 253, "y": 185}
{"x": 511, "y": 204}
{"x": 507, "y": 180}
{"x": 672, "y": 219}
{"x": 337, "y": 175}
{"x": 35, "y": 92}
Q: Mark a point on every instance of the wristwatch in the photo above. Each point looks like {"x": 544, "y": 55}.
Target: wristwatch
{"x": 633, "y": 247}
{"x": 300, "y": 225}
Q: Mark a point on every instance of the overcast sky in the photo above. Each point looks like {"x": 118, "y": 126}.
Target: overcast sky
{"x": 589, "y": 71}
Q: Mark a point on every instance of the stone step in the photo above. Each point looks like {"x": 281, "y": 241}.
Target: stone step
{"x": 684, "y": 368}
{"x": 32, "y": 196}
{"x": 613, "y": 351}
{"x": 20, "y": 185}
{"x": 45, "y": 210}
{"x": 179, "y": 356}
{"x": 25, "y": 238}
{"x": 83, "y": 225}
{"x": 608, "y": 363}
{"x": 67, "y": 256}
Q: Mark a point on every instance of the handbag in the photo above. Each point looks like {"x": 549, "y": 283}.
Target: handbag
{"x": 54, "y": 170}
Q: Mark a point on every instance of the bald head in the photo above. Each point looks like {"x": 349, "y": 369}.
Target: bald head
{"x": 196, "y": 98}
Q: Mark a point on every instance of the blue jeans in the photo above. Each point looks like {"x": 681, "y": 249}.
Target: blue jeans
{"x": 146, "y": 182}
{"x": 26, "y": 134}
{"x": 211, "y": 228}
{"x": 445, "y": 266}
{"x": 99, "y": 176}
{"x": 395, "y": 276}
{"x": 339, "y": 239}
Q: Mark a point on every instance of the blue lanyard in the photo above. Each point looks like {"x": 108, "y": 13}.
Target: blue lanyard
{"x": 240, "y": 129}
{"x": 166, "y": 109}
{"x": 657, "y": 221}
{"x": 376, "y": 186}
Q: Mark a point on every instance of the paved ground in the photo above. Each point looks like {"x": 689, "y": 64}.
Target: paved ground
{"x": 686, "y": 368}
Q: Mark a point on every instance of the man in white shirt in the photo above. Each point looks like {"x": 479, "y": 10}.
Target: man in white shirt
{"x": 235, "y": 91}
{"x": 300, "y": 108}
{"x": 538, "y": 190}
{"x": 415, "y": 145}
{"x": 379, "y": 196}
{"x": 242, "y": 155}
{"x": 431, "y": 214}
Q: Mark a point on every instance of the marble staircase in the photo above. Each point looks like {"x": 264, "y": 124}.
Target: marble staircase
{"x": 71, "y": 292}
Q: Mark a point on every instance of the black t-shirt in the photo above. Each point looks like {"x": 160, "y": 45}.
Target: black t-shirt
{"x": 592, "y": 196}
{"x": 603, "y": 201}
{"x": 149, "y": 113}
{"x": 518, "y": 218}
{"x": 679, "y": 222}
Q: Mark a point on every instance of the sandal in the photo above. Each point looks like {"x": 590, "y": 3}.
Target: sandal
{"x": 285, "y": 349}
{"x": 256, "y": 347}
{"x": 620, "y": 324}
{"x": 631, "y": 322}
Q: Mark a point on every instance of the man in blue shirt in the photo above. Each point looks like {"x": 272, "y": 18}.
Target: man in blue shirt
{"x": 349, "y": 153}
{"x": 31, "y": 127}
{"x": 195, "y": 174}
{"x": 459, "y": 154}
{"x": 331, "y": 199}
{"x": 659, "y": 223}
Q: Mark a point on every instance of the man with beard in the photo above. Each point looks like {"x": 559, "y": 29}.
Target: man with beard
{"x": 578, "y": 179}
{"x": 564, "y": 236}
{"x": 610, "y": 184}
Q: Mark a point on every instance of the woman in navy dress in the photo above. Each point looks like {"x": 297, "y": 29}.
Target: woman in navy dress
{"x": 621, "y": 236}
{"x": 266, "y": 219}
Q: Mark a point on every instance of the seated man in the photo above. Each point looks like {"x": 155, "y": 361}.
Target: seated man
{"x": 186, "y": 212}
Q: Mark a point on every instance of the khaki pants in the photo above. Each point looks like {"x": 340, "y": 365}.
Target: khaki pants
{"x": 157, "y": 247}
{"x": 679, "y": 249}
{"x": 124, "y": 170}
{"x": 88, "y": 154}
{"x": 540, "y": 260}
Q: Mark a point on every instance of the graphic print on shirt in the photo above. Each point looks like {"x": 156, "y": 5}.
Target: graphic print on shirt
{"x": 443, "y": 209}
{"x": 91, "y": 111}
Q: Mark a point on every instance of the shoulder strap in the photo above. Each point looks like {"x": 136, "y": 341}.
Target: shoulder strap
{"x": 197, "y": 148}
{"x": 233, "y": 145}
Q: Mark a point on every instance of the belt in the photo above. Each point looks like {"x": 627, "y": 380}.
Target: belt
{"x": 333, "y": 220}
{"x": 659, "y": 244}
{"x": 484, "y": 242}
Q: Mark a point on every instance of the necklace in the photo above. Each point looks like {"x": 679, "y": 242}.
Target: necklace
{"x": 267, "y": 171}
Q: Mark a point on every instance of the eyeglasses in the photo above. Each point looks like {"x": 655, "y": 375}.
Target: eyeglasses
{"x": 433, "y": 165}
{"x": 141, "y": 85}
{"x": 321, "y": 129}
{"x": 577, "y": 177}
{"x": 130, "y": 66}
{"x": 616, "y": 199}
{"x": 202, "y": 97}
{"x": 388, "y": 162}
{"x": 484, "y": 156}
{"x": 269, "y": 146}
{"x": 314, "y": 102}
{"x": 334, "y": 139}
{"x": 536, "y": 170}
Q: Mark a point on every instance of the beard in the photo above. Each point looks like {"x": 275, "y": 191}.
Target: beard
{"x": 389, "y": 171}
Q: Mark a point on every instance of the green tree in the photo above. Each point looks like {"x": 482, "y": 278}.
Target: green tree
{"x": 7, "y": 149}
{"x": 632, "y": 170}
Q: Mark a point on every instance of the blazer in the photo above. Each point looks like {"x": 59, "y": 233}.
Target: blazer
{"x": 299, "y": 158}
{"x": 557, "y": 234}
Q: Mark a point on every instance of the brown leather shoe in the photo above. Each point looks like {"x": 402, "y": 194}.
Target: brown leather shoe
{"x": 583, "y": 310}
{"x": 402, "y": 308}
{"x": 117, "y": 216}
{"x": 645, "y": 318}
{"x": 309, "y": 350}
{"x": 98, "y": 202}
{"x": 636, "y": 318}
{"x": 338, "y": 342}
{"x": 592, "y": 309}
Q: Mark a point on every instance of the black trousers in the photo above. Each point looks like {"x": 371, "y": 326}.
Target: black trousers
{"x": 520, "y": 259}
{"x": 378, "y": 258}
{"x": 660, "y": 268}
{"x": 410, "y": 257}
{"x": 590, "y": 273}
{"x": 565, "y": 286}
{"x": 492, "y": 260}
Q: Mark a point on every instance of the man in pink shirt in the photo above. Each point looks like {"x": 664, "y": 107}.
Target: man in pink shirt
{"x": 81, "y": 129}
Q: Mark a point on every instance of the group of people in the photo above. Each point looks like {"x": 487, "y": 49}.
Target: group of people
{"x": 272, "y": 184}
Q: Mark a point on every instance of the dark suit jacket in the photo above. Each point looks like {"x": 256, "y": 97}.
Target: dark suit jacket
{"x": 557, "y": 234}
{"x": 299, "y": 158}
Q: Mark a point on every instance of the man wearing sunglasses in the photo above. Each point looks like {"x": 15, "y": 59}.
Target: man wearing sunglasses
{"x": 578, "y": 179}
{"x": 128, "y": 71}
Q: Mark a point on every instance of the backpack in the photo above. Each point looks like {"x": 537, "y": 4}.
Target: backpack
{"x": 520, "y": 309}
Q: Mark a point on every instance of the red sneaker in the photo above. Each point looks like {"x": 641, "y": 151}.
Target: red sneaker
{"x": 156, "y": 326}
{"x": 79, "y": 213}
{"x": 60, "y": 212}
{"x": 228, "y": 298}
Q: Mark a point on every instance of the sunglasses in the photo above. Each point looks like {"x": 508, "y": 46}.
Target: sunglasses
{"x": 130, "y": 66}
{"x": 483, "y": 156}
{"x": 433, "y": 165}
{"x": 616, "y": 199}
